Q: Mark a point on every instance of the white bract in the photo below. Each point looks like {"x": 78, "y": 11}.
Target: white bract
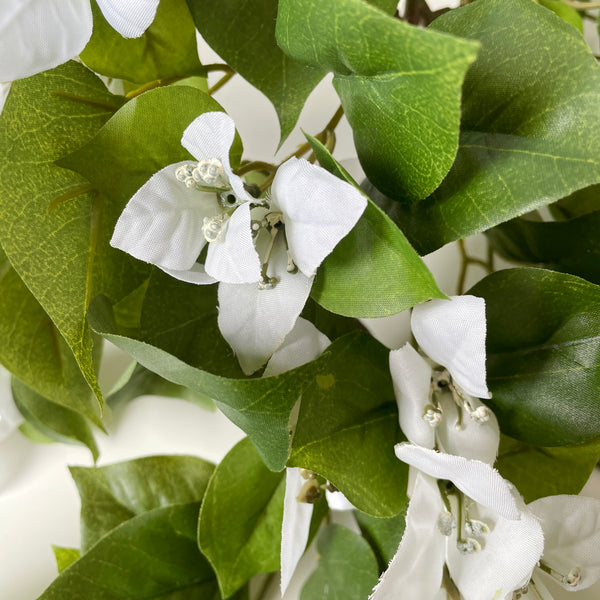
{"x": 571, "y": 526}
{"x": 186, "y": 206}
{"x": 477, "y": 527}
{"x": 437, "y": 406}
{"x": 36, "y": 35}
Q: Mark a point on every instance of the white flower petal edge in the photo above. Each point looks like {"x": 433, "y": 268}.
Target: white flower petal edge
{"x": 196, "y": 275}
{"x": 571, "y": 525}
{"x": 478, "y": 480}
{"x": 162, "y": 223}
{"x": 129, "y": 17}
{"x": 416, "y": 570}
{"x": 452, "y": 332}
{"x": 319, "y": 209}
{"x": 37, "y": 35}
{"x": 411, "y": 375}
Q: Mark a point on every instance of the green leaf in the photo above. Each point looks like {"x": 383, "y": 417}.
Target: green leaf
{"x": 53, "y": 420}
{"x": 243, "y": 35}
{"x": 65, "y": 557}
{"x": 384, "y": 535}
{"x": 151, "y": 556}
{"x": 167, "y": 49}
{"x": 181, "y": 343}
{"x": 538, "y": 472}
{"x": 347, "y": 568}
{"x": 530, "y": 131}
{"x": 543, "y": 355}
{"x": 116, "y": 493}
{"x": 32, "y": 348}
{"x": 400, "y": 87}
{"x": 240, "y": 519}
{"x": 565, "y": 12}
{"x": 577, "y": 204}
{"x": 374, "y": 246}
{"x": 50, "y": 222}
{"x": 570, "y": 246}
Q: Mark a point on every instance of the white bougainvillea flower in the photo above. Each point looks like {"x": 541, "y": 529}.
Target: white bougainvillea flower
{"x": 477, "y": 526}
{"x": 186, "y": 206}
{"x": 310, "y": 211}
{"x": 571, "y": 526}
{"x": 436, "y": 405}
{"x": 36, "y": 35}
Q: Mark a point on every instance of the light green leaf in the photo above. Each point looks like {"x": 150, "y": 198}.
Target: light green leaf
{"x": 53, "y": 420}
{"x": 543, "y": 355}
{"x": 243, "y": 35}
{"x": 530, "y": 131}
{"x": 240, "y": 519}
{"x": 347, "y": 568}
{"x": 50, "y": 221}
{"x": 565, "y": 12}
{"x": 153, "y": 556}
{"x": 350, "y": 280}
{"x": 400, "y": 87}
{"x": 384, "y": 535}
{"x": 115, "y": 493}
{"x": 65, "y": 557}
{"x": 538, "y": 472}
{"x": 167, "y": 49}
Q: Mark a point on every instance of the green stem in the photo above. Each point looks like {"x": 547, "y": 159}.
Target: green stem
{"x": 218, "y": 67}
{"x": 151, "y": 86}
{"x": 221, "y": 82}
{"x": 255, "y": 165}
{"x": 78, "y": 191}
{"x": 82, "y": 100}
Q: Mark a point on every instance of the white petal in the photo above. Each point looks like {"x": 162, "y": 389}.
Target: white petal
{"x": 474, "y": 440}
{"x": 4, "y": 89}
{"x": 415, "y": 572}
{"x": 36, "y": 35}
{"x": 571, "y": 525}
{"x": 319, "y": 210}
{"x": 301, "y": 345}
{"x": 233, "y": 259}
{"x": 162, "y": 223}
{"x": 196, "y": 275}
{"x": 295, "y": 526}
{"x": 411, "y": 375}
{"x": 508, "y": 556}
{"x": 255, "y": 322}
{"x": 478, "y": 480}
{"x": 129, "y": 17}
{"x": 337, "y": 501}
{"x": 452, "y": 332}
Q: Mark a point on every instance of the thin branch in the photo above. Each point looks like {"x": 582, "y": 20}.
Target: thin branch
{"x": 211, "y": 68}
{"x": 221, "y": 82}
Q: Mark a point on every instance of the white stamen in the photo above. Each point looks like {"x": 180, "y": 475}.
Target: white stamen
{"x": 446, "y": 523}
{"x": 480, "y": 415}
{"x": 432, "y": 415}
{"x": 468, "y": 546}
{"x": 210, "y": 172}
{"x": 213, "y": 227}
{"x": 476, "y": 528}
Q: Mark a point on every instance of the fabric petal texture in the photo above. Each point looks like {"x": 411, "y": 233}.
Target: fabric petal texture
{"x": 37, "y": 35}
{"x": 452, "y": 332}
{"x": 130, "y": 18}
{"x": 319, "y": 210}
{"x": 416, "y": 570}
{"x": 196, "y": 275}
{"x": 162, "y": 223}
{"x": 411, "y": 375}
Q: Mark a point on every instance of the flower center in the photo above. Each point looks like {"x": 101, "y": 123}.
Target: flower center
{"x": 208, "y": 173}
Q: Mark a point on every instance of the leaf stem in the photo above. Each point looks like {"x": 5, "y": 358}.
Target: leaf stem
{"x": 83, "y": 100}
{"x": 74, "y": 193}
{"x": 217, "y": 86}
{"x": 212, "y": 67}
{"x": 151, "y": 86}
{"x": 255, "y": 165}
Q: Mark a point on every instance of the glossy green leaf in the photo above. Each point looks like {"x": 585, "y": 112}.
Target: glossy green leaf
{"x": 565, "y": 12}
{"x": 243, "y": 35}
{"x": 577, "y": 204}
{"x": 543, "y": 355}
{"x": 115, "y": 493}
{"x": 167, "y": 49}
{"x": 384, "y": 535}
{"x": 65, "y": 557}
{"x": 400, "y": 87}
{"x": 240, "y": 519}
{"x": 181, "y": 342}
{"x": 53, "y": 420}
{"x": 347, "y": 568}
{"x": 373, "y": 247}
{"x": 153, "y": 556}
{"x": 530, "y": 131}
{"x": 570, "y": 246}
{"x": 538, "y": 472}
{"x": 50, "y": 222}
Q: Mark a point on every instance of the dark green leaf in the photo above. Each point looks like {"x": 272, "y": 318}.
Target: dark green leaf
{"x": 350, "y": 283}
{"x": 543, "y": 355}
{"x": 167, "y": 49}
{"x": 243, "y": 34}
{"x": 153, "y": 556}
{"x": 53, "y": 420}
{"x": 65, "y": 557}
{"x": 570, "y": 246}
{"x": 116, "y": 493}
{"x": 400, "y": 87}
{"x": 384, "y": 535}
{"x": 538, "y": 472}
{"x": 240, "y": 519}
{"x": 577, "y": 204}
{"x": 347, "y": 568}
{"x": 530, "y": 131}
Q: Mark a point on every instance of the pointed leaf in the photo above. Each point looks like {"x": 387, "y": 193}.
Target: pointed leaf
{"x": 65, "y": 557}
